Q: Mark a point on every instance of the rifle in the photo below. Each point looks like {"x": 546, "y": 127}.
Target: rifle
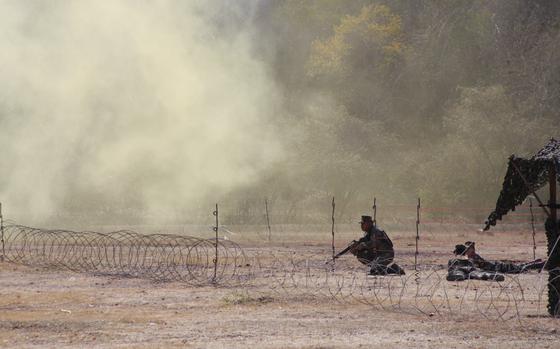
{"x": 537, "y": 264}
{"x": 352, "y": 245}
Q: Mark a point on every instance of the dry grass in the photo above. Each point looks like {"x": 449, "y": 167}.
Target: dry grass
{"x": 45, "y": 309}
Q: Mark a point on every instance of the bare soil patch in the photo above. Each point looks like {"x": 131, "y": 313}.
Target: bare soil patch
{"x": 50, "y": 308}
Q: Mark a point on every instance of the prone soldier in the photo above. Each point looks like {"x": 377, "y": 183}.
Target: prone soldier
{"x": 469, "y": 265}
{"x": 469, "y": 251}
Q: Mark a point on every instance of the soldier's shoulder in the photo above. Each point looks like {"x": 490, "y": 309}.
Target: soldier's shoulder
{"x": 477, "y": 257}
{"x": 380, "y": 232}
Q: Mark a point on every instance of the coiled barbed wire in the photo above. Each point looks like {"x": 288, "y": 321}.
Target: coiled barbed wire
{"x": 166, "y": 257}
{"x": 161, "y": 257}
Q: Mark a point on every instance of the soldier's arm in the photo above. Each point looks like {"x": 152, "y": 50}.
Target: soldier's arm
{"x": 367, "y": 237}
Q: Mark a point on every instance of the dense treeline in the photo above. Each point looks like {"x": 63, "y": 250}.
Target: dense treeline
{"x": 402, "y": 98}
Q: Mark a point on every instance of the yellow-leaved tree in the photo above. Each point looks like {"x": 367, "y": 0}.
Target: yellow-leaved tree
{"x": 370, "y": 41}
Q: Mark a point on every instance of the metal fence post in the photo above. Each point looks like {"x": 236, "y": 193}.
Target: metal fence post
{"x": 374, "y": 207}
{"x": 417, "y": 234}
{"x": 267, "y": 219}
{"x": 332, "y": 232}
{"x": 215, "y": 213}
{"x": 2, "y": 232}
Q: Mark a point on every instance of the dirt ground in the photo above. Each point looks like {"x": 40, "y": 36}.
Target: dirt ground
{"x": 51, "y": 308}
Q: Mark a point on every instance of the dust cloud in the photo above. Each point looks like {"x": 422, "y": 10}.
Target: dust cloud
{"x": 128, "y": 105}
{"x": 127, "y": 111}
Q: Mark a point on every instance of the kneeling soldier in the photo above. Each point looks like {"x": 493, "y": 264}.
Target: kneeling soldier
{"x": 375, "y": 249}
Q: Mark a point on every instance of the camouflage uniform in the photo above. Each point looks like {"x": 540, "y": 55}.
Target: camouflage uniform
{"x": 505, "y": 266}
{"x": 375, "y": 249}
{"x": 463, "y": 269}
{"x": 476, "y": 267}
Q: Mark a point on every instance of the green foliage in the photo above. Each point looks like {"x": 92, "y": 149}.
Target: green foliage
{"x": 482, "y": 129}
{"x": 402, "y": 98}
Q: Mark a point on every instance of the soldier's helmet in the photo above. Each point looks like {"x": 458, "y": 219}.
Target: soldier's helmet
{"x": 366, "y": 219}
{"x": 460, "y": 250}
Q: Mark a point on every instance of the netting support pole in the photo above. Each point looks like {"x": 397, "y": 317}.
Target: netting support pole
{"x": 216, "y": 245}
{"x": 552, "y": 203}
{"x": 533, "y": 228}
{"x": 267, "y": 220}
{"x": 553, "y": 262}
{"x": 417, "y": 234}
{"x": 2, "y": 236}
{"x": 530, "y": 188}
{"x": 332, "y": 231}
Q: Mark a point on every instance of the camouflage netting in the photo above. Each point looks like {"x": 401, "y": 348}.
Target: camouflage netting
{"x": 523, "y": 177}
{"x": 534, "y": 176}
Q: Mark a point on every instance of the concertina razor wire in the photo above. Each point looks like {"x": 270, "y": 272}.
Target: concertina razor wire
{"x": 284, "y": 274}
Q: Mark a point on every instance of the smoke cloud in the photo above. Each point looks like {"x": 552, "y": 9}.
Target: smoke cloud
{"x": 132, "y": 104}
